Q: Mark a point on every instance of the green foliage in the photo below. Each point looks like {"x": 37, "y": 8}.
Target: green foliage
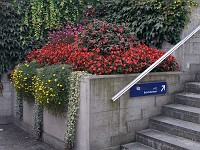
{"x": 152, "y": 21}
{"x": 51, "y": 87}
{"x": 39, "y": 17}
{"x": 23, "y": 79}
{"x": 73, "y": 106}
{"x": 10, "y": 48}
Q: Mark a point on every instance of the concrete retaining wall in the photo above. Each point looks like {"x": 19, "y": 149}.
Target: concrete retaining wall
{"x": 54, "y": 129}
{"x": 104, "y": 124}
{"x": 6, "y": 99}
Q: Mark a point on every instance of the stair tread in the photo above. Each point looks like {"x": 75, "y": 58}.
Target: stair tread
{"x": 189, "y": 94}
{"x": 171, "y": 139}
{"x": 177, "y": 122}
{"x": 137, "y": 146}
{"x": 184, "y": 108}
{"x": 193, "y": 83}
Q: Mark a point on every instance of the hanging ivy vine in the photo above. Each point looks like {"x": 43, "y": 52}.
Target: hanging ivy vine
{"x": 73, "y": 106}
{"x": 39, "y": 17}
{"x": 19, "y": 107}
{"x": 37, "y": 120}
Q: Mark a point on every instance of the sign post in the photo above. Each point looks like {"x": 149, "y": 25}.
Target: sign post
{"x": 146, "y": 89}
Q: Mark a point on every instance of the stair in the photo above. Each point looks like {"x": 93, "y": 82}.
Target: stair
{"x": 177, "y": 129}
{"x": 183, "y": 112}
{"x": 136, "y": 145}
{"x": 162, "y": 141}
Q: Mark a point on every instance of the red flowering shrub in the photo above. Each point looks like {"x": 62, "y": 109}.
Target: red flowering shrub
{"x": 134, "y": 60}
{"x": 101, "y": 48}
{"x": 106, "y": 37}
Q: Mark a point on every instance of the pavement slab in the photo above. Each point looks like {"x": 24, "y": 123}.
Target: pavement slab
{"x": 14, "y": 138}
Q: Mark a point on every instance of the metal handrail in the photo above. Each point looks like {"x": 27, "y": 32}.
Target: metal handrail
{"x": 125, "y": 89}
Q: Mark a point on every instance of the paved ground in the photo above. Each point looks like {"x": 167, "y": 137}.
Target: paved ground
{"x": 13, "y": 138}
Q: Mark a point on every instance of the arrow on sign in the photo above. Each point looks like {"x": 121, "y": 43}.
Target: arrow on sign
{"x": 163, "y": 88}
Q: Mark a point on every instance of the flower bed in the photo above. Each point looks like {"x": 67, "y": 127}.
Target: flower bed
{"x": 101, "y": 48}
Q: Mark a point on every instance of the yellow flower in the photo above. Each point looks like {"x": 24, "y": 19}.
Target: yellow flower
{"x": 49, "y": 80}
{"x": 54, "y": 75}
{"x": 63, "y": 68}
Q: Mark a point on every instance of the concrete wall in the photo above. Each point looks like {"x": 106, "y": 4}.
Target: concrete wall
{"x": 54, "y": 129}
{"x": 102, "y": 123}
{"x": 6, "y": 101}
{"x": 189, "y": 53}
{"x": 105, "y": 125}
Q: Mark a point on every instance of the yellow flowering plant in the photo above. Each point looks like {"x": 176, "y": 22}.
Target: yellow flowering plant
{"x": 51, "y": 87}
{"x": 23, "y": 79}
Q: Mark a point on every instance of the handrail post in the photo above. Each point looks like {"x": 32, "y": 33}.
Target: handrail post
{"x": 150, "y": 68}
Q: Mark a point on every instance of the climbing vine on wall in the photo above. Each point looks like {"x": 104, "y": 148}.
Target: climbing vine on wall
{"x": 10, "y": 48}
{"x": 152, "y": 21}
{"x": 39, "y": 17}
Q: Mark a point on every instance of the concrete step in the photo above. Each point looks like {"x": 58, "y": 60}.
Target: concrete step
{"x": 135, "y": 146}
{"x": 164, "y": 141}
{"x": 182, "y": 112}
{"x": 193, "y": 87}
{"x": 186, "y": 98}
{"x": 176, "y": 127}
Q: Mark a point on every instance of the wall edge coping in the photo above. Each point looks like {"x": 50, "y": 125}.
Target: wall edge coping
{"x": 131, "y": 75}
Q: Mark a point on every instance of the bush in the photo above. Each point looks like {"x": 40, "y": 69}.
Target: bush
{"x": 23, "y": 79}
{"x": 51, "y": 87}
{"x": 104, "y": 37}
{"x": 65, "y": 35}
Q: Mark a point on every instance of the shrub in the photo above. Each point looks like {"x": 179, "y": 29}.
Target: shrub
{"x": 23, "y": 79}
{"x": 65, "y": 35}
{"x": 51, "y": 87}
{"x": 104, "y": 37}
{"x": 95, "y": 34}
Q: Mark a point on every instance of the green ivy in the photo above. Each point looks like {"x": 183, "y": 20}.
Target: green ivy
{"x": 39, "y": 17}
{"x": 73, "y": 106}
{"x": 10, "y": 48}
{"x": 151, "y": 21}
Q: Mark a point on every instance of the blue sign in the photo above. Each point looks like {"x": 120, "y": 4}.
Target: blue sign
{"x": 146, "y": 89}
